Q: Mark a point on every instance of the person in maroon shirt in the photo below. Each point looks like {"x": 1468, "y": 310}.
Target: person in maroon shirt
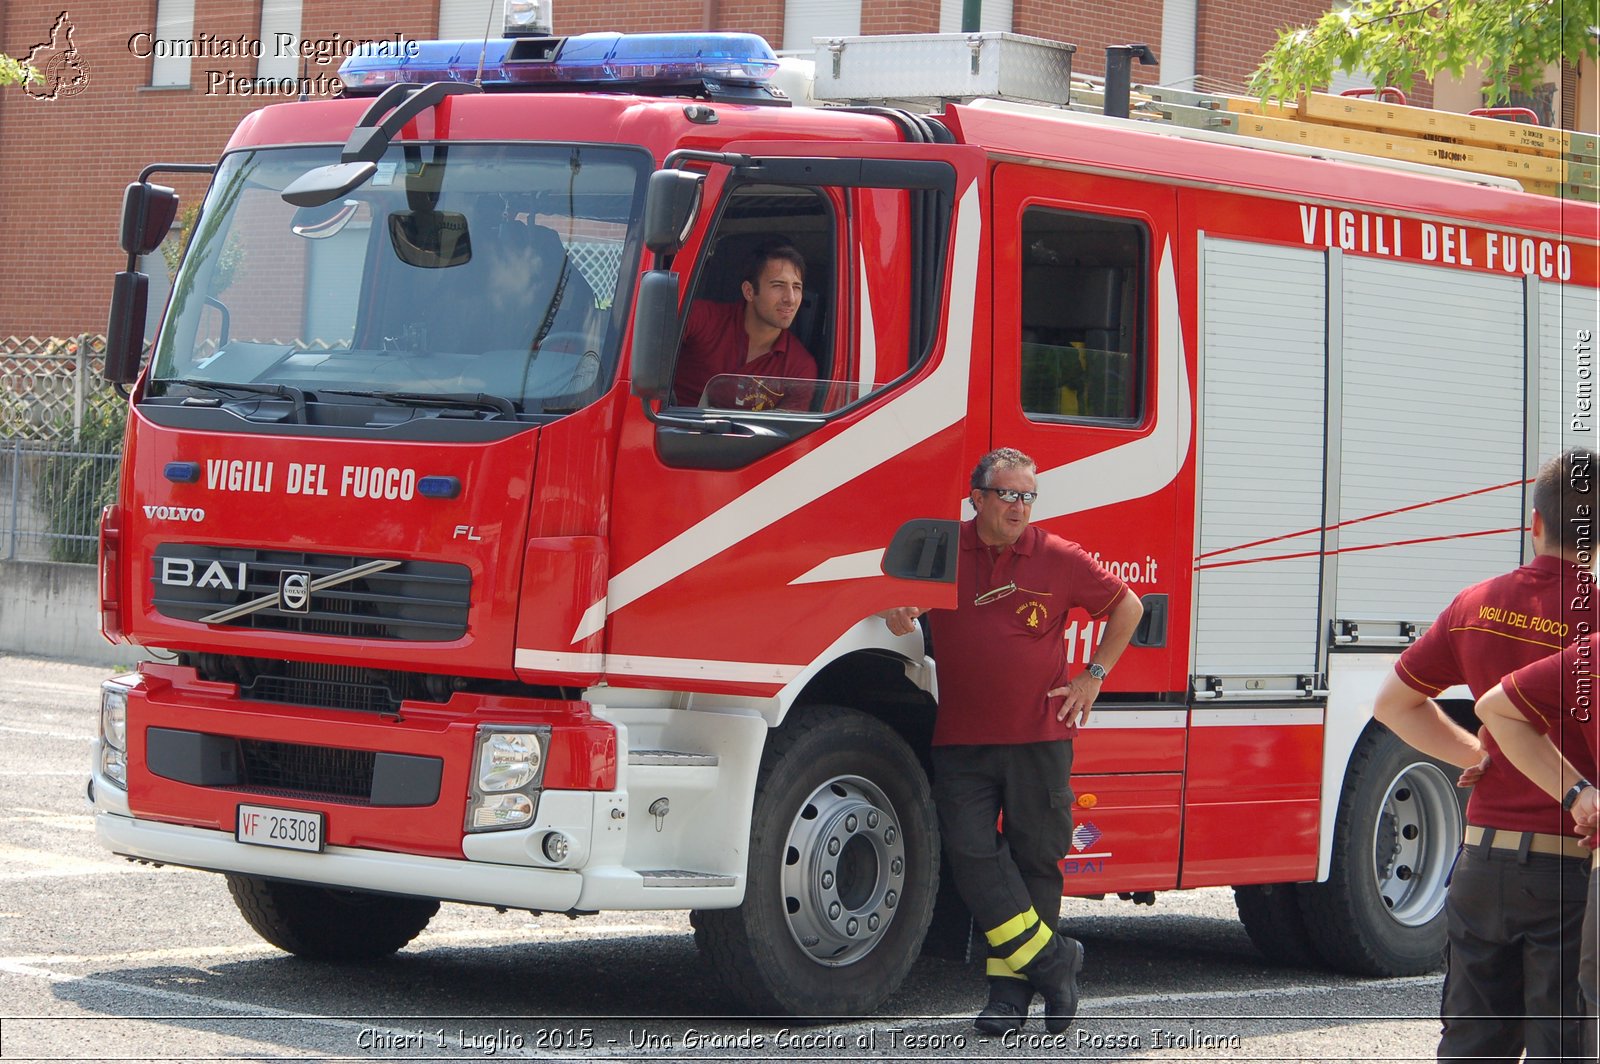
{"x": 1002, "y": 744}
{"x": 1533, "y": 715}
{"x": 745, "y": 351}
{"x": 1510, "y": 971}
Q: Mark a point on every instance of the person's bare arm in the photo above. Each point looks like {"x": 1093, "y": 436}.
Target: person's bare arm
{"x": 1525, "y": 746}
{"x": 1079, "y": 694}
{"x": 1421, "y": 724}
{"x": 902, "y": 620}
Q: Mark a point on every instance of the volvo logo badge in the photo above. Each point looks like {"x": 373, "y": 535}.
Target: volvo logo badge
{"x": 294, "y": 591}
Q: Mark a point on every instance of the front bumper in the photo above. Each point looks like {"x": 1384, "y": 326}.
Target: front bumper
{"x": 338, "y": 866}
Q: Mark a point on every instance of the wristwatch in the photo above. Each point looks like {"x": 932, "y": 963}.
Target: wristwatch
{"x": 1097, "y": 670}
{"x": 1572, "y": 795}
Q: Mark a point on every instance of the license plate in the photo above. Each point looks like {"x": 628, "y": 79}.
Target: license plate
{"x": 287, "y": 829}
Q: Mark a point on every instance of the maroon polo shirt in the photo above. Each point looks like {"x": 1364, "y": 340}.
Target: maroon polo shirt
{"x": 1492, "y": 629}
{"x": 715, "y": 342}
{"x": 996, "y": 661}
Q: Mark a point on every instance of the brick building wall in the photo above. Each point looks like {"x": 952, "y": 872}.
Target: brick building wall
{"x": 67, "y": 160}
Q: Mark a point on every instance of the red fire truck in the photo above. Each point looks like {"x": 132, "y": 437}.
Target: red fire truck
{"x": 452, "y": 596}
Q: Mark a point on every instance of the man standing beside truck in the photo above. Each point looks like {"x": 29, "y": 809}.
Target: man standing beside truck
{"x": 1555, "y": 696}
{"x": 1002, "y": 743}
{"x": 1510, "y": 980}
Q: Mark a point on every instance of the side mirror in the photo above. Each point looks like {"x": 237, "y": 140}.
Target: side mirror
{"x": 147, "y": 215}
{"x": 130, "y": 294}
{"x": 923, "y": 549}
{"x": 655, "y": 334}
{"x": 671, "y": 204}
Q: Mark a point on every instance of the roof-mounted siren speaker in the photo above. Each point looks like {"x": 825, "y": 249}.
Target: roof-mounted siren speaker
{"x": 528, "y": 18}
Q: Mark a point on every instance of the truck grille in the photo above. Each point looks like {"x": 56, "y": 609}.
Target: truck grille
{"x": 399, "y": 600}
{"x": 306, "y": 771}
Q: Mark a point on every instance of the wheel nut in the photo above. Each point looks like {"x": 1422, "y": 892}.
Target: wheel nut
{"x": 890, "y": 898}
{"x": 888, "y": 835}
{"x": 852, "y": 926}
{"x": 850, "y": 822}
{"x": 834, "y": 910}
{"x": 833, "y": 847}
{"x": 872, "y": 922}
{"x": 827, "y": 879}
{"x": 897, "y": 866}
{"x": 872, "y": 819}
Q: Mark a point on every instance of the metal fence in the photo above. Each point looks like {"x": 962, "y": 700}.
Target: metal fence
{"x": 51, "y": 495}
{"x": 60, "y": 447}
{"x": 47, "y": 384}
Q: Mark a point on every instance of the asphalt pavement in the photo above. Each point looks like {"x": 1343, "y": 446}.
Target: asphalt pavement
{"x": 105, "y": 959}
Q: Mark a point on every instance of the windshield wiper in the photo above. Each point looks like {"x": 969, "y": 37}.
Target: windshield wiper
{"x": 476, "y": 400}
{"x": 297, "y": 396}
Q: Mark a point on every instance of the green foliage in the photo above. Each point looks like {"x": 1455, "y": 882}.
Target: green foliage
{"x": 1396, "y": 41}
{"x": 176, "y": 246}
{"x": 14, "y": 71}
{"x": 72, "y": 488}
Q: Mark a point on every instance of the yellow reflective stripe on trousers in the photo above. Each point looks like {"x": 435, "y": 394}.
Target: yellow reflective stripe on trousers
{"x": 995, "y": 968}
{"x": 1012, "y": 927}
{"x": 1029, "y": 949}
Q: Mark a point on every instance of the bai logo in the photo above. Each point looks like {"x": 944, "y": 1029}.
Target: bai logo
{"x": 185, "y": 572}
{"x": 60, "y": 65}
{"x": 174, "y": 513}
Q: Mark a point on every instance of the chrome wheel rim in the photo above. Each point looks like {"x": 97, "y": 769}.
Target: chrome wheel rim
{"x": 1414, "y": 843}
{"x": 844, "y": 866}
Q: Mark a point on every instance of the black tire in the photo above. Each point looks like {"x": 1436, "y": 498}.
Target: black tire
{"x": 824, "y": 931}
{"x": 1272, "y": 918}
{"x": 1399, "y": 825}
{"x": 323, "y": 924}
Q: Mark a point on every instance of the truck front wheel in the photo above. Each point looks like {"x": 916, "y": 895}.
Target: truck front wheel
{"x": 1381, "y": 912}
{"x": 844, "y": 859}
{"x": 323, "y": 924}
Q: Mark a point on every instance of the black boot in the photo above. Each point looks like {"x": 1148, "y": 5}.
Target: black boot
{"x": 1007, "y": 1009}
{"x": 1057, "y": 980}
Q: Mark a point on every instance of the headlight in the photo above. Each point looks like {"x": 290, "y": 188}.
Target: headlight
{"x": 114, "y": 715}
{"x": 500, "y": 811}
{"x": 508, "y": 761}
{"x": 114, "y": 766}
{"x": 506, "y": 774}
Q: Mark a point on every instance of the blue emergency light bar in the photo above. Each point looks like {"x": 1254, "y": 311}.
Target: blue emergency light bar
{"x": 634, "y": 62}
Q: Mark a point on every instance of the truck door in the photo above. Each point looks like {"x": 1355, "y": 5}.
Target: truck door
{"x": 748, "y": 524}
{"x": 1091, "y": 379}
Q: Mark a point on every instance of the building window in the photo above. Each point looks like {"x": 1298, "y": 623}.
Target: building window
{"x": 995, "y": 16}
{"x": 280, "y": 39}
{"x": 470, "y": 20}
{"x": 174, "y": 41}
{"x": 820, "y": 18}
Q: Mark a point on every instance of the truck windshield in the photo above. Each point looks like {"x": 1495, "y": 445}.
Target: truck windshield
{"x": 493, "y": 272}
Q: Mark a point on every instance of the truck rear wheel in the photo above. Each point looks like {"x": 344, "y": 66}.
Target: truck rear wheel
{"x": 323, "y": 924}
{"x": 1381, "y": 912}
{"x": 844, "y": 859}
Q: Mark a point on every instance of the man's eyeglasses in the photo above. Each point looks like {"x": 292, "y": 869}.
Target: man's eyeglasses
{"x": 1010, "y": 495}
{"x": 998, "y": 593}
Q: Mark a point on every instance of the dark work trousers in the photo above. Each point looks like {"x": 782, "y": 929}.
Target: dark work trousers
{"x": 1511, "y": 981}
{"x": 1588, "y": 977}
{"x": 1010, "y": 882}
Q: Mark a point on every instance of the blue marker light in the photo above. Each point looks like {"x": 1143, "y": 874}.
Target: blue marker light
{"x": 182, "y": 472}
{"x": 641, "y": 61}
{"x": 439, "y": 487}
